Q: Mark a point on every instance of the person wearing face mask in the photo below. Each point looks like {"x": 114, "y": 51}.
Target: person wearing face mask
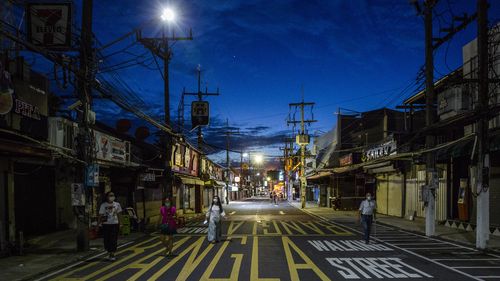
{"x": 168, "y": 225}
{"x": 214, "y": 217}
{"x": 110, "y": 220}
{"x": 366, "y": 215}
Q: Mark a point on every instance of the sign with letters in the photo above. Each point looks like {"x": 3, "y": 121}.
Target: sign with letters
{"x": 49, "y": 25}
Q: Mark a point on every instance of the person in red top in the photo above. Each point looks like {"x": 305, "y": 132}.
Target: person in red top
{"x": 168, "y": 226}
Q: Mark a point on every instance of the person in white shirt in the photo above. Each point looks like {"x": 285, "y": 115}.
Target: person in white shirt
{"x": 110, "y": 220}
{"x": 366, "y": 215}
{"x": 214, "y": 219}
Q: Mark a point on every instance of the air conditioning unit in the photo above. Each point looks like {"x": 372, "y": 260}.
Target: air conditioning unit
{"x": 302, "y": 139}
{"x": 62, "y": 132}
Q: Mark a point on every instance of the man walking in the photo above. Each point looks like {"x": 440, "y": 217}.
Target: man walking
{"x": 366, "y": 215}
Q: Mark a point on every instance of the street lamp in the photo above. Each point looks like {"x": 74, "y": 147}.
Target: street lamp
{"x": 168, "y": 15}
{"x": 258, "y": 159}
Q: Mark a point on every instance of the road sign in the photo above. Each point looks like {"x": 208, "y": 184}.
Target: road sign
{"x": 200, "y": 113}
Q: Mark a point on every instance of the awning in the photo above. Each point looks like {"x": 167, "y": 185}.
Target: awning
{"x": 191, "y": 180}
{"x": 214, "y": 183}
{"x": 320, "y": 175}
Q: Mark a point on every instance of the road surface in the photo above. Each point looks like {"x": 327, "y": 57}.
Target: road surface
{"x": 265, "y": 242}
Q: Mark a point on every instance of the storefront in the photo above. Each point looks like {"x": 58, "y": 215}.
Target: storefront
{"x": 188, "y": 188}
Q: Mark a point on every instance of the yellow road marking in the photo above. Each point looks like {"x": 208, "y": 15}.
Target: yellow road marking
{"x": 140, "y": 265}
{"x": 311, "y": 225}
{"x": 265, "y": 226}
{"x": 254, "y": 267}
{"x": 190, "y": 264}
{"x": 233, "y": 228}
{"x": 235, "y": 271}
{"x": 294, "y": 267}
{"x": 136, "y": 249}
{"x": 293, "y": 225}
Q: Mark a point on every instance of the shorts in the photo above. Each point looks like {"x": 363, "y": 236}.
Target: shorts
{"x": 165, "y": 229}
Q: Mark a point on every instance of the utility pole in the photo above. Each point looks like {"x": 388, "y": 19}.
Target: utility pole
{"x": 430, "y": 161}
{"x": 303, "y": 140}
{"x": 482, "y": 175}
{"x": 200, "y": 96}
{"x": 86, "y": 139}
{"x": 432, "y": 44}
{"x": 228, "y": 133}
{"x": 161, "y": 48}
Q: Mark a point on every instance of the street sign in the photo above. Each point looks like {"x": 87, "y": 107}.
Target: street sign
{"x": 49, "y": 25}
{"x": 92, "y": 177}
{"x": 200, "y": 113}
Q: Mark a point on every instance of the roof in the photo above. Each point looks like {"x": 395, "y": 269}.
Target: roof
{"x": 438, "y": 85}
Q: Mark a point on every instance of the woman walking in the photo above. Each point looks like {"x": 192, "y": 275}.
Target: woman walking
{"x": 168, "y": 226}
{"x": 110, "y": 220}
{"x": 214, "y": 217}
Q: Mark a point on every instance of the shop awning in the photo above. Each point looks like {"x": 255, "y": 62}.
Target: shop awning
{"x": 215, "y": 183}
{"x": 320, "y": 175}
{"x": 191, "y": 180}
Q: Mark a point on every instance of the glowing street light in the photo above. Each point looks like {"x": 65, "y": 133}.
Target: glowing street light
{"x": 245, "y": 154}
{"x": 168, "y": 15}
{"x": 259, "y": 158}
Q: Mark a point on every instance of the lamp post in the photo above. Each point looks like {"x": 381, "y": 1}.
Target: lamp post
{"x": 160, "y": 47}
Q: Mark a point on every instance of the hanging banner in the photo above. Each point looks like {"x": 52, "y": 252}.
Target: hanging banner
{"x": 200, "y": 113}
{"x": 49, "y": 25}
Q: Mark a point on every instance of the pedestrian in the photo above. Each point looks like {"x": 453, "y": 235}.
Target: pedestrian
{"x": 214, "y": 218}
{"x": 168, "y": 225}
{"x": 366, "y": 215}
{"x": 110, "y": 220}
{"x": 275, "y": 198}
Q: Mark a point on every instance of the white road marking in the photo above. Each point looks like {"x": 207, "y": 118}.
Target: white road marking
{"x": 476, "y": 267}
{"x": 232, "y": 213}
{"x": 402, "y": 249}
{"x": 438, "y": 248}
{"x": 469, "y": 259}
{"x": 282, "y": 213}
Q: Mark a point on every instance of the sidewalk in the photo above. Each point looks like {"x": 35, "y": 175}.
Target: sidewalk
{"x": 49, "y": 252}
{"x": 417, "y": 226}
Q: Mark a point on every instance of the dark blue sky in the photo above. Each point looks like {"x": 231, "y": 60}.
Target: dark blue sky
{"x": 355, "y": 54}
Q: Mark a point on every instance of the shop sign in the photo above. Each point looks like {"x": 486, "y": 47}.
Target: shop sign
{"x": 346, "y": 160}
{"x": 148, "y": 177}
{"x": 27, "y": 110}
{"x": 234, "y": 188}
{"x": 49, "y": 25}
{"x": 111, "y": 149}
{"x": 382, "y": 150}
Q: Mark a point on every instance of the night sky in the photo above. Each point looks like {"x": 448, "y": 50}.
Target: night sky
{"x": 354, "y": 54}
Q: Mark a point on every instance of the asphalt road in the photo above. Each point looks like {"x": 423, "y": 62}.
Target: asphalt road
{"x": 265, "y": 242}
